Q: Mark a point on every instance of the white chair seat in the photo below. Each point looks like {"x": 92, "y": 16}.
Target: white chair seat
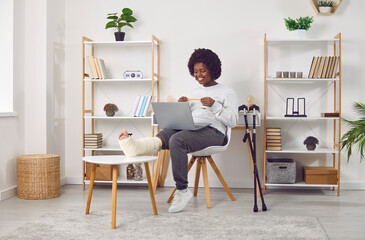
{"x": 201, "y": 158}
{"x": 213, "y": 149}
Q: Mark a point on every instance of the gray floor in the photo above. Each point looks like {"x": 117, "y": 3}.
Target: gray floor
{"x": 341, "y": 217}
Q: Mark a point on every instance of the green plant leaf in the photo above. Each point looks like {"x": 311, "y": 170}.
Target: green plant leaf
{"x": 110, "y": 24}
{"x": 130, "y": 19}
{"x": 112, "y": 17}
{"x": 127, "y": 11}
{"x": 356, "y": 135}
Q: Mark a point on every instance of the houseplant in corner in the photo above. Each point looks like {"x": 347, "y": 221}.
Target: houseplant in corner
{"x": 325, "y": 6}
{"x": 311, "y": 142}
{"x": 356, "y": 135}
{"x": 118, "y": 22}
{"x": 110, "y": 109}
{"x": 299, "y": 25}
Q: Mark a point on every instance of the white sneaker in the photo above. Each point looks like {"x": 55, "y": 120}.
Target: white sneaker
{"x": 181, "y": 198}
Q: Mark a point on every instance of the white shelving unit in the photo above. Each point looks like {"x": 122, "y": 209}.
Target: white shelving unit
{"x": 305, "y": 84}
{"x": 91, "y": 117}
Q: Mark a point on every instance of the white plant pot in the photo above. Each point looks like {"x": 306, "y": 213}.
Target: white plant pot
{"x": 325, "y": 9}
{"x": 300, "y": 33}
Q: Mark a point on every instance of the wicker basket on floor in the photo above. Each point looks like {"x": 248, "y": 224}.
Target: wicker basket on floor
{"x": 38, "y": 176}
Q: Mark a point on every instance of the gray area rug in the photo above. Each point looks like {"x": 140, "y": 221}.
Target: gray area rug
{"x": 73, "y": 224}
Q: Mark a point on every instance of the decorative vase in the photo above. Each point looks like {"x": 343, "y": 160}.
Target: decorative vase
{"x": 119, "y": 36}
{"x": 130, "y": 172}
{"x": 300, "y": 33}
{"x": 325, "y": 9}
{"x": 138, "y": 172}
{"x": 110, "y": 112}
{"x": 311, "y": 146}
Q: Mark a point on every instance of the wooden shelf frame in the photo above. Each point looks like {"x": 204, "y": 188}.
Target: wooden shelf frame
{"x": 314, "y": 4}
{"x": 88, "y": 114}
{"x": 336, "y": 150}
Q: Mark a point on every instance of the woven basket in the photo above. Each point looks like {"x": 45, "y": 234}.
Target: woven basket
{"x": 38, "y": 176}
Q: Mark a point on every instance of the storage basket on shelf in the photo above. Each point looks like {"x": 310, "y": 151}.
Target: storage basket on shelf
{"x": 282, "y": 170}
{"x": 38, "y": 176}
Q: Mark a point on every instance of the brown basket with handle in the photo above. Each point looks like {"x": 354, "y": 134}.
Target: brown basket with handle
{"x": 38, "y": 176}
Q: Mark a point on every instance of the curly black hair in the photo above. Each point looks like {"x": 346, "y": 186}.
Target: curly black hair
{"x": 209, "y": 58}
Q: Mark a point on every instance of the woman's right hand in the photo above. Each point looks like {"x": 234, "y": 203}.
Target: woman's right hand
{"x": 183, "y": 99}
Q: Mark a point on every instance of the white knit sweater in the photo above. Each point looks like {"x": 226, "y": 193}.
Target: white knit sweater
{"x": 224, "y": 111}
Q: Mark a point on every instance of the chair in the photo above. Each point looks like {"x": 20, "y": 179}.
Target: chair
{"x": 201, "y": 157}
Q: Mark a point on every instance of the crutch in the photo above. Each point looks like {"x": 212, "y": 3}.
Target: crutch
{"x": 253, "y": 153}
{"x": 256, "y": 173}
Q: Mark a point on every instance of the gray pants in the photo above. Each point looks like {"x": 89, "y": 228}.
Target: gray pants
{"x": 182, "y": 142}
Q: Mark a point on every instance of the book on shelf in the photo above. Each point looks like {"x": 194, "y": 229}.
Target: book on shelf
{"x": 93, "y": 146}
{"x": 313, "y": 67}
{"x": 273, "y": 129}
{"x": 330, "y": 114}
{"x": 335, "y": 66}
{"x": 93, "y": 135}
{"x": 144, "y": 101}
{"x": 147, "y": 106}
{"x": 330, "y": 63}
{"x": 273, "y": 144}
{"x": 317, "y": 67}
{"x": 268, "y": 133}
{"x": 273, "y": 141}
{"x": 325, "y": 67}
{"x": 98, "y": 140}
{"x": 97, "y": 67}
{"x": 94, "y": 73}
{"x": 320, "y": 68}
{"x": 103, "y": 71}
{"x": 273, "y": 137}
{"x": 276, "y": 148}
{"x": 140, "y": 102}
{"x": 135, "y": 106}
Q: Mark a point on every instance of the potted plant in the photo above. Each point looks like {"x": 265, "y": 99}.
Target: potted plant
{"x": 356, "y": 135}
{"x": 110, "y": 109}
{"x": 299, "y": 25}
{"x": 311, "y": 142}
{"x": 325, "y": 6}
{"x": 118, "y": 22}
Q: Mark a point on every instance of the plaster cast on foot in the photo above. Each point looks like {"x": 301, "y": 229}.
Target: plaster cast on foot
{"x": 140, "y": 147}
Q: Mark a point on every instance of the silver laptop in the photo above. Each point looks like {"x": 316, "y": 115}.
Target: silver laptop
{"x": 175, "y": 115}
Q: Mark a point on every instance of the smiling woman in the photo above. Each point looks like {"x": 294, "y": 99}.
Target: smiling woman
{"x": 6, "y": 60}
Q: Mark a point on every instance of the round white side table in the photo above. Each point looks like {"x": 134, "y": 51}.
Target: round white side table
{"x": 116, "y": 160}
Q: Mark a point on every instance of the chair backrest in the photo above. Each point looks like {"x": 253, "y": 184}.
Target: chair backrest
{"x": 214, "y": 149}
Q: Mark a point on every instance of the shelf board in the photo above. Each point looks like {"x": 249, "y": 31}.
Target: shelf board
{"x": 298, "y": 184}
{"x": 118, "y": 80}
{"x": 302, "y": 118}
{"x": 104, "y": 149}
{"x": 303, "y": 150}
{"x": 118, "y": 43}
{"x": 117, "y": 117}
{"x": 300, "y": 80}
{"x": 144, "y": 181}
{"x": 301, "y": 41}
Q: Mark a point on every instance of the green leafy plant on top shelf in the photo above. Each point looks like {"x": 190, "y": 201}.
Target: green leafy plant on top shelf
{"x": 123, "y": 20}
{"x": 355, "y": 137}
{"x": 299, "y": 23}
{"x": 325, "y": 3}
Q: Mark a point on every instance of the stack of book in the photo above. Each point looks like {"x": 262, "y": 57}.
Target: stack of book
{"x": 93, "y": 140}
{"x": 273, "y": 139}
{"x": 324, "y": 67}
{"x": 141, "y": 106}
{"x": 95, "y": 68}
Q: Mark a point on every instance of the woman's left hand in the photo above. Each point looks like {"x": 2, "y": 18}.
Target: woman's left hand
{"x": 207, "y": 101}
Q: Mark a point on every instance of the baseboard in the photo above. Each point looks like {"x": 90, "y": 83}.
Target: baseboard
{"x": 349, "y": 185}
{"x": 7, "y": 193}
{"x": 63, "y": 181}
{"x": 74, "y": 180}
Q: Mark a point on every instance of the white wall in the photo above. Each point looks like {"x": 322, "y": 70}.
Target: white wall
{"x": 233, "y": 29}
{"x": 38, "y": 88}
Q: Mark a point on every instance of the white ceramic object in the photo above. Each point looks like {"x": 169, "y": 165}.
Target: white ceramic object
{"x": 300, "y": 33}
{"x": 325, "y": 9}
